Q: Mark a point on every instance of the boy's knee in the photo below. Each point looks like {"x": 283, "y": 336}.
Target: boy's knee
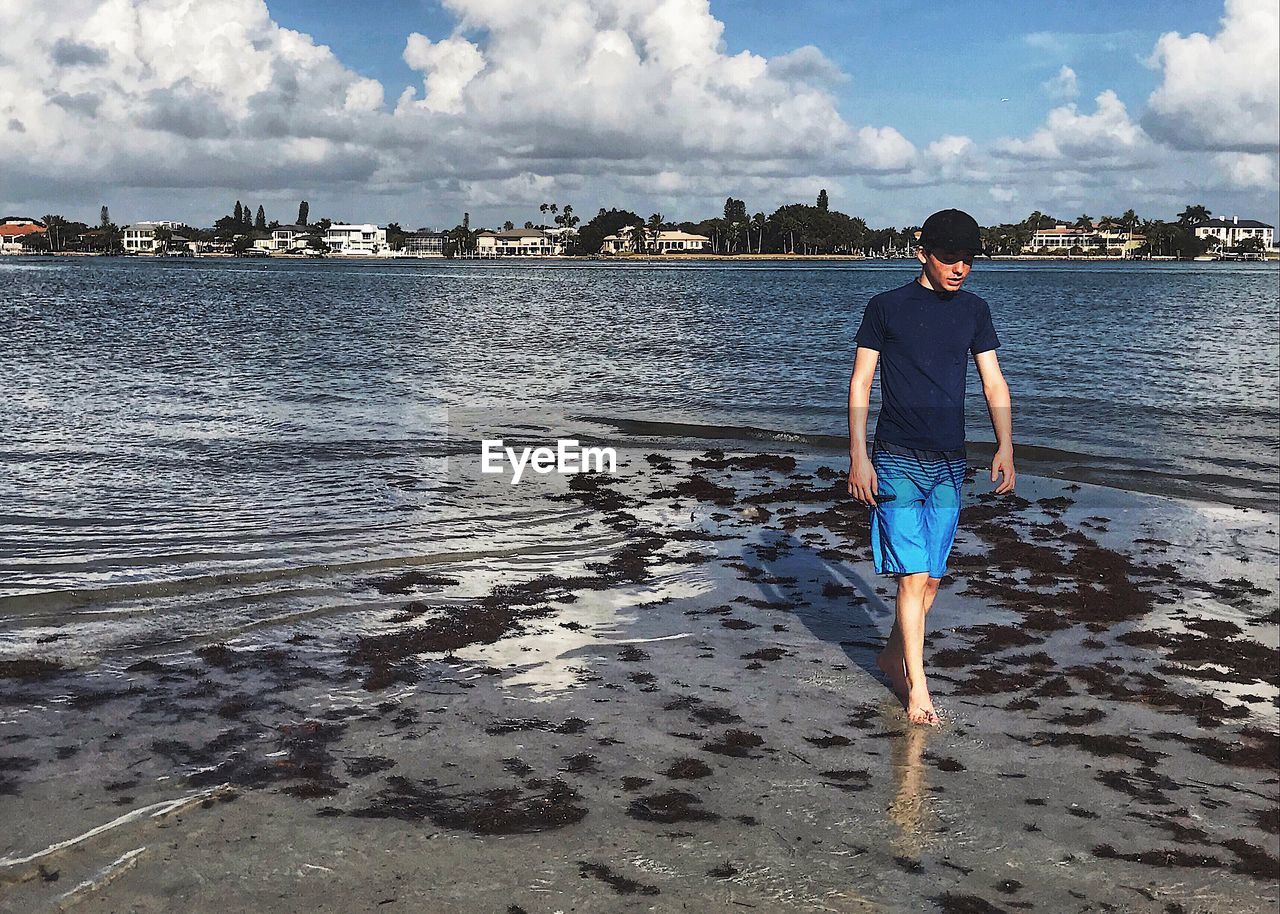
{"x": 930, "y": 591}
{"x": 914, "y": 583}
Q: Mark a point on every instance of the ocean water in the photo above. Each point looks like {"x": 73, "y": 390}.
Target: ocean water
{"x": 221, "y": 438}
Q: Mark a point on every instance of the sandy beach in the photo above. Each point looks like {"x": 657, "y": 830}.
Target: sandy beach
{"x": 691, "y": 720}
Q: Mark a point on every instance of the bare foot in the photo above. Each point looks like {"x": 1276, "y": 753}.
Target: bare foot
{"x": 894, "y": 668}
{"x": 920, "y": 708}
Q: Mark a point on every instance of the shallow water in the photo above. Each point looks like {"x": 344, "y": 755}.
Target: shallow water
{"x": 215, "y": 437}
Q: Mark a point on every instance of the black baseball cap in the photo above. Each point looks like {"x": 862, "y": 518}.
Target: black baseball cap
{"x": 951, "y": 230}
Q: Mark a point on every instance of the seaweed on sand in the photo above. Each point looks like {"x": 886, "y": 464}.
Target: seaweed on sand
{"x": 548, "y": 805}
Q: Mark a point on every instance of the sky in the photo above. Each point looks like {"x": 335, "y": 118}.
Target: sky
{"x": 416, "y": 111}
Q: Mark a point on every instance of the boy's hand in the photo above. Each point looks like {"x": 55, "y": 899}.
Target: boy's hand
{"x": 1002, "y": 465}
{"x": 862, "y": 480}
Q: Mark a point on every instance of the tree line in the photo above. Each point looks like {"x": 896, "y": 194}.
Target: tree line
{"x": 794, "y": 228}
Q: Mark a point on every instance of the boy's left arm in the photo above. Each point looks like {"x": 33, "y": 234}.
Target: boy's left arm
{"x": 999, "y": 405}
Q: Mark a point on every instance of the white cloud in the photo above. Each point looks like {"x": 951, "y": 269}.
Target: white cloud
{"x": 449, "y": 65}
{"x": 1105, "y": 139}
{"x": 559, "y": 87}
{"x": 153, "y": 93}
{"x": 806, "y": 65}
{"x": 1064, "y": 85}
{"x": 1221, "y": 93}
{"x": 950, "y": 160}
{"x": 1247, "y": 170}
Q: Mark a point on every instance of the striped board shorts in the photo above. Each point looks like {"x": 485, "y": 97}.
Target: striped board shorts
{"x": 913, "y": 532}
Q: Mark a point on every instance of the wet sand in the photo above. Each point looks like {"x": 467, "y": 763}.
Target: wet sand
{"x": 693, "y": 720}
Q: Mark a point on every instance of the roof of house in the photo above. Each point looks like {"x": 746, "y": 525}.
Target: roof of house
{"x": 290, "y": 228}
{"x": 1228, "y": 223}
{"x": 681, "y": 236}
{"x": 665, "y": 235}
{"x": 15, "y": 231}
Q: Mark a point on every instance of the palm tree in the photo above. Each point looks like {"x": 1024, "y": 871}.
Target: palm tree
{"x": 639, "y": 237}
{"x": 654, "y": 227}
{"x": 1084, "y": 221}
{"x": 1022, "y": 236}
{"x": 758, "y": 223}
{"x": 543, "y": 209}
{"x": 566, "y": 218}
{"x": 1193, "y": 214}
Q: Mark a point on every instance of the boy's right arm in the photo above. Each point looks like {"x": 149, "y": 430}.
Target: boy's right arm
{"x": 862, "y": 476}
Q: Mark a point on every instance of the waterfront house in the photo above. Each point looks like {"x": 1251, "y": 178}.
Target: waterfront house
{"x": 289, "y": 237}
{"x": 425, "y": 243}
{"x": 677, "y": 241}
{"x": 356, "y": 240}
{"x": 1231, "y": 232}
{"x": 517, "y": 243}
{"x": 140, "y": 237}
{"x": 665, "y": 242}
{"x": 14, "y": 228}
{"x": 563, "y": 236}
{"x": 1063, "y": 238}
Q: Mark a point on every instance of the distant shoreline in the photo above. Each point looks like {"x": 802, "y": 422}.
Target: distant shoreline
{"x": 1268, "y": 257}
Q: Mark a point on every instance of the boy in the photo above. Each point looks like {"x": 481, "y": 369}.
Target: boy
{"x": 921, "y": 334}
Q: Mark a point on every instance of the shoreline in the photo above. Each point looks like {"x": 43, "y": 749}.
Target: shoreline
{"x": 691, "y": 719}
{"x": 1270, "y": 257}
{"x": 1121, "y": 473}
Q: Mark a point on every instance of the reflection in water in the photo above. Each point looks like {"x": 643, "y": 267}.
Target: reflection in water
{"x": 910, "y": 810}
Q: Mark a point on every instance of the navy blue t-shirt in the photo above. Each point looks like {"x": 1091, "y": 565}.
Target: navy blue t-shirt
{"x": 924, "y": 339}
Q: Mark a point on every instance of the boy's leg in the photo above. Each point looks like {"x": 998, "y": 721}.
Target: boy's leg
{"x": 941, "y": 516}
{"x": 892, "y": 655}
{"x": 911, "y": 602}
{"x": 912, "y": 590}
{"x": 900, "y": 545}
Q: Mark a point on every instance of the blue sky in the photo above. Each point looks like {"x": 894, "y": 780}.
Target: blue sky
{"x": 390, "y": 110}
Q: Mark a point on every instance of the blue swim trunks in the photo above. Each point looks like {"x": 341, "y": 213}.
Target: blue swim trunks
{"x": 913, "y": 533}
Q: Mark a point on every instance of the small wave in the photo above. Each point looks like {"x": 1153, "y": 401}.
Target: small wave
{"x": 56, "y": 602}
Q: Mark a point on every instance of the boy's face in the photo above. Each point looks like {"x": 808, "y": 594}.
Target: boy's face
{"x": 946, "y": 270}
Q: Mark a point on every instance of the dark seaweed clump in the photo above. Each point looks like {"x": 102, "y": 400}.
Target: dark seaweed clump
{"x": 620, "y": 884}
{"x": 668, "y": 807}
{"x": 547, "y": 805}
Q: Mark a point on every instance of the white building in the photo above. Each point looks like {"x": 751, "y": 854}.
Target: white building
{"x": 1065, "y": 237}
{"x": 564, "y": 235}
{"x": 359, "y": 240}
{"x": 140, "y": 237}
{"x": 1230, "y": 232}
{"x": 288, "y": 237}
{"x": 517, "y": 243}
{"x": 664, "y": 242}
